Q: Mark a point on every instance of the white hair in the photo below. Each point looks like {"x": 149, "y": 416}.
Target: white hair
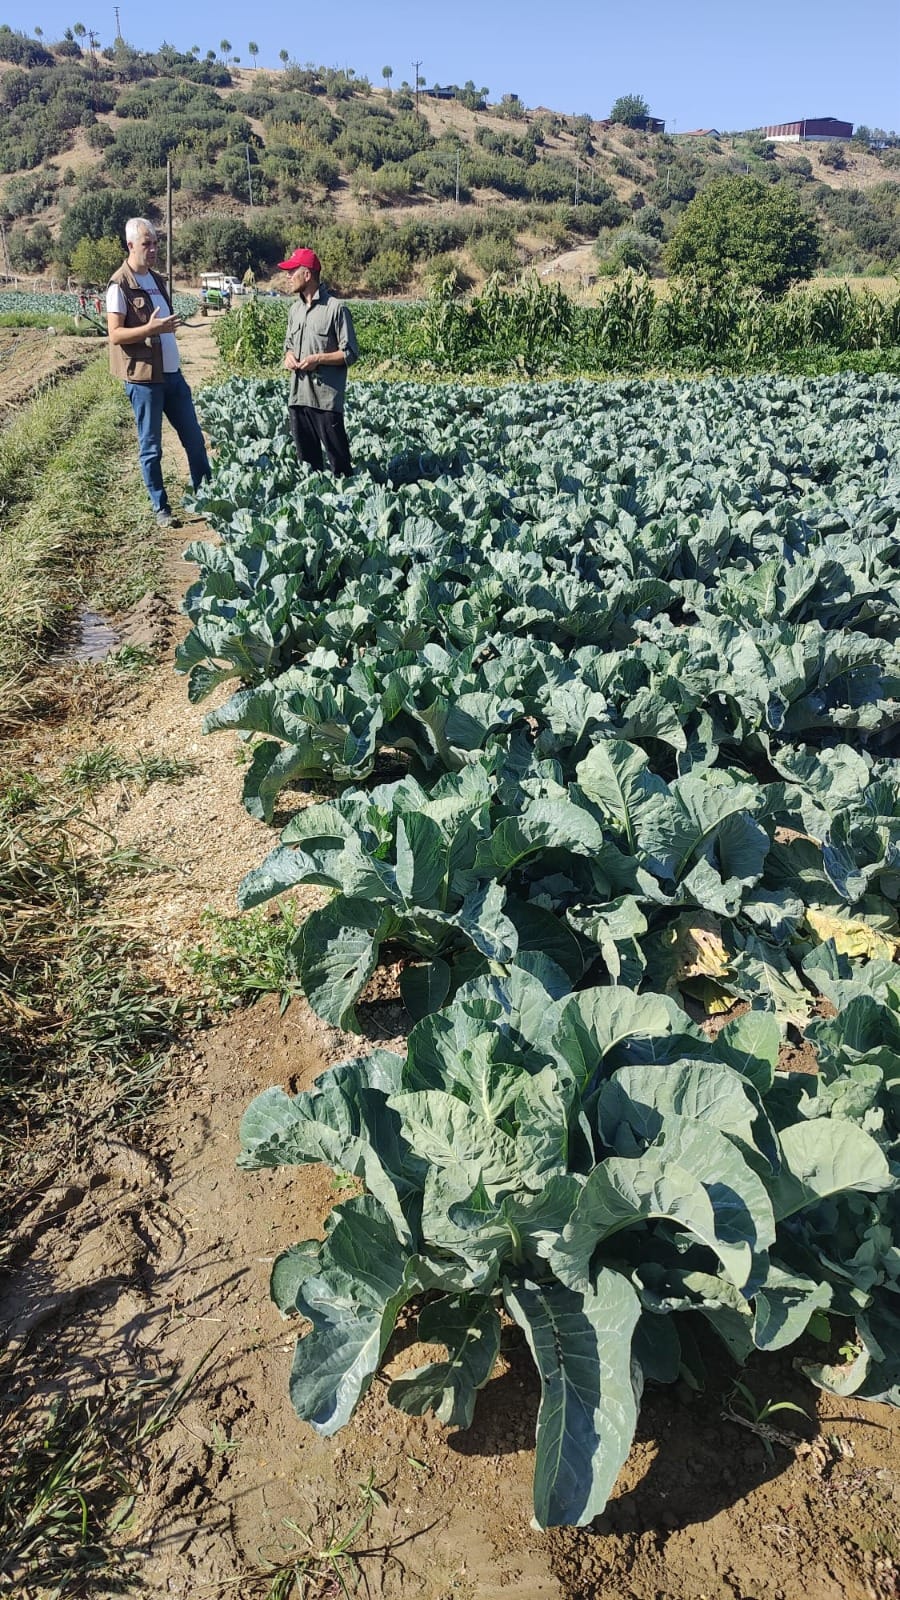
{"x": 136, "y": 225}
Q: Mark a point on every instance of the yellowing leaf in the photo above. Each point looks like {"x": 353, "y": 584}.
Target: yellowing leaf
{"x": 698, "y": 950}
{"x": 852, "y": 935}
{"x": 714, "y": 999}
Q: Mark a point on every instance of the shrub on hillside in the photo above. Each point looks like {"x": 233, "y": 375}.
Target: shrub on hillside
{"x": 834, "y": 155}
{"x": 29, "y": 251}
{"x": 388, "y": 272}
{"x": 29, "y": 193}
{"x": 21, "y": 50}
{"x": 627, "y": 250}
{"x": 230, "y": 245}
{"x": 495, "y": 257}
{"x": 100, "y": 214}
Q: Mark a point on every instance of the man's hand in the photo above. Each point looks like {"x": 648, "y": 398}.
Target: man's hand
{"x": 158, "y": 324}
{"x": 291, "y": 362}
{"x": 307, "y": 364}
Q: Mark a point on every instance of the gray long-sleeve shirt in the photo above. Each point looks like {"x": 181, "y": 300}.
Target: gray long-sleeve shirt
{"x": 325, "y": 324}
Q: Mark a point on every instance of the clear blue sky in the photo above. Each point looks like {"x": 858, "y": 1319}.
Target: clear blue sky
{"x": 700, "y": 63}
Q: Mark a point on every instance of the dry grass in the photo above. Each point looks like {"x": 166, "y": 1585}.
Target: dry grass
{"x": 63, "y": 477}
{"x": 84, "y": 1033}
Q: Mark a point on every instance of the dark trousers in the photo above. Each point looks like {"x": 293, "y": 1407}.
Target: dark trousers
{"x": 316, "y": 431}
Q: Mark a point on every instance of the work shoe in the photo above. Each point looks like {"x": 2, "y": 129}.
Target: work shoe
{"x": 164, "y": 518}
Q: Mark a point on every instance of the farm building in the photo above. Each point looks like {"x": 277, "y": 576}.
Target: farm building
{"x": 701, "y": 133}
{"x": 810, "y": 129}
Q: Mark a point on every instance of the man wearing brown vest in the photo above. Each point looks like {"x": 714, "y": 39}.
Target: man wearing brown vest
{"x": 143, "y": 352}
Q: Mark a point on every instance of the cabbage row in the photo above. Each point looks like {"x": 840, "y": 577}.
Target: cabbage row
{"x": 66, "y": 304}
{"x": 624, "y": 661}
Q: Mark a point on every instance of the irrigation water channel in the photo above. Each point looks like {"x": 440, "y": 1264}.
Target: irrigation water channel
{"x": 91, "y": 639}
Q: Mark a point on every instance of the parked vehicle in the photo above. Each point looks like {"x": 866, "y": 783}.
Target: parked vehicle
{"x": 221, "y": 282}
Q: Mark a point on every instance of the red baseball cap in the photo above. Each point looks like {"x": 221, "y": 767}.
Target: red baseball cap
{"x": 301, "y": 258}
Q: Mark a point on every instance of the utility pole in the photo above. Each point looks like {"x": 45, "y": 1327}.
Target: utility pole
{"x": 6, "y": 266}
{"x": 118, "y": 24}
{"x": 169, "y": 226}
{"x": 93, "y": 42}
{"x": 577, "y": 175}
{"x": 249, "y": 176}
{"x": 457, "y": 175}
{"x": 415, "y": 66}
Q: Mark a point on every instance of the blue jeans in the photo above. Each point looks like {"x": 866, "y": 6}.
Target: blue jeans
{"x": 150, "y": 403}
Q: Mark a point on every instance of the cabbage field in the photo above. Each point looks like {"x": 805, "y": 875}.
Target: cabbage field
{"x": 38, "y": 304}
{"x": 601, "y": 688}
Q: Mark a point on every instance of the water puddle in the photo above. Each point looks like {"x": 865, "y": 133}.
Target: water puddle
{"x": 92, "y": 639}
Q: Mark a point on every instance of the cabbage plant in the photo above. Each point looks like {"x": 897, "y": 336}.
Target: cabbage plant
{"x": 593, "y": 1169}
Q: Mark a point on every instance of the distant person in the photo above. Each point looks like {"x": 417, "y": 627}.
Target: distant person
{"x": 143, "y": 352}
{"x": 320, "y": 344}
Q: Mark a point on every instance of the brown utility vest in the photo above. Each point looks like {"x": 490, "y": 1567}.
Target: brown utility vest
{"x": 141, "y": 362}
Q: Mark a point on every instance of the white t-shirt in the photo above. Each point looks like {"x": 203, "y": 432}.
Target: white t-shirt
{"x": 116, "y": 303}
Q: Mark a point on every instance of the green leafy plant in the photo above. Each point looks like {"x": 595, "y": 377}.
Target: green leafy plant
{"x": 623, "y": 713}
{"x": 131, "y": 660}
{"x": 93, "y": 769}
{"x": 602, "y": 1172}
{"x": 758, "y": 1416}
{"x": 246, "y": 956}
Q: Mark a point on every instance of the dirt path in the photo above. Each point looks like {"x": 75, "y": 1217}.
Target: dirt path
{"x": 158, "y": 1254}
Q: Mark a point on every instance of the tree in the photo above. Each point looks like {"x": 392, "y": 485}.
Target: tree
{"x": 225, "y": 48}
{"x": 630, "y": 109}
{"x": 95, "y": 260}
{"x": 283, "y": 57}
{"x": 757, "y": 233}
{"x": 387, "y": 73}
{"x": 79, "y": 30}
{"x": 253, "y": 51}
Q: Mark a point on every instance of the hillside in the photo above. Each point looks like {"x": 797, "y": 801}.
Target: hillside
{"x": 386, "y": 189}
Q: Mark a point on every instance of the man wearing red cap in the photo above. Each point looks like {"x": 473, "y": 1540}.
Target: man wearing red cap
{"x": 319, "y": 346}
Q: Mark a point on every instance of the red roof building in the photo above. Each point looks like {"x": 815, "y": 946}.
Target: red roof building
{"x": 812, "y": 128}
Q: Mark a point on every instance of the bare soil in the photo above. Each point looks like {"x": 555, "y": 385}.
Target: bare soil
{"x": 30, "y": 357}
{"x": 153, "y": 1251}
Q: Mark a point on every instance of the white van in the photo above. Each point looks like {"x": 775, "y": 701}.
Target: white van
{"x": 221, "y": 282}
